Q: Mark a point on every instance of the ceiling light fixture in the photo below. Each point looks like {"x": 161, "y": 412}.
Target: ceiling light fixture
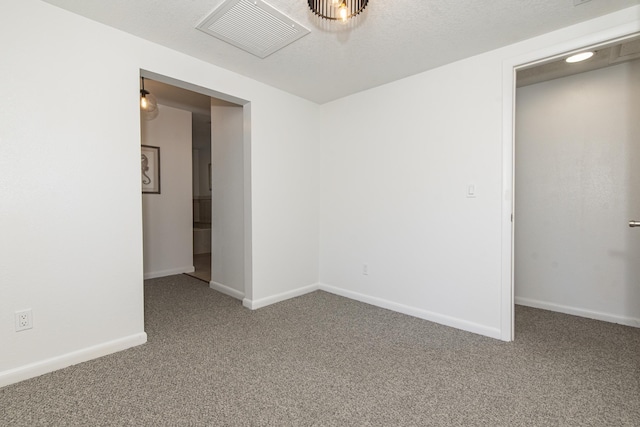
{"x": 579, "y": 57}
{"x": 148, "y": 104}
{"x": 337, "y": 10}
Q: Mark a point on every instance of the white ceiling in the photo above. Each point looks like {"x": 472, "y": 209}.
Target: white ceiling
{"x": 392, "y": 39}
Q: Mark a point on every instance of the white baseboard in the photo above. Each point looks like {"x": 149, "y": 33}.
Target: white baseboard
{"x": 32, "y": 370}
{"x": 606, "y": 317}
{"x": 170, "y": 272}
{"x": 224, "y": 289}
{"x": 416, "y": 312}
{"x": 263, "y": 302}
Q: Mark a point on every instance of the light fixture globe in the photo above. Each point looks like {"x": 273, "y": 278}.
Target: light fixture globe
{"x": 148, "y": 104}
{"x": 337, "y": 10}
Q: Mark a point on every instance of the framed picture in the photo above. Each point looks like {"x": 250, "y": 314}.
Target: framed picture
{"x": 150, "y": 169}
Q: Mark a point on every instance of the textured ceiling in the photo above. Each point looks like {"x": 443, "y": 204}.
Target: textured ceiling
{"x": 390, "y": 40}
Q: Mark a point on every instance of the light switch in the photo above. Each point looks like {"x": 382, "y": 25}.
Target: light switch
{"x": 471, "y": 191}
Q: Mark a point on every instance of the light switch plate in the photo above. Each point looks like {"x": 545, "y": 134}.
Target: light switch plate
{"x": 471, "y": 191}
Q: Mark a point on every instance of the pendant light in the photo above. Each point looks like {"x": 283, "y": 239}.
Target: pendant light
{"x": 148, "y": 104}
{"x": 337, "y": 10}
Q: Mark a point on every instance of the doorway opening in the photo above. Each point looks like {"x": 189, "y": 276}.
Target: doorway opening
{"x": 206, "y": 187}
{"x": 567, "y": 184}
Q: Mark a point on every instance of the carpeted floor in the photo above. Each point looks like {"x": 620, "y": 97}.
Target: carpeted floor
{"x": 323, "y": 360}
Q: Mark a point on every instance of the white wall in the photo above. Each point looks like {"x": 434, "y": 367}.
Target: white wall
{"x": 71, "y": 211}
{"x": 396, "y": 163}
{"x": 394, "y": 195}
{"x": 284, "y": 178}
{"x": 227, "y": 204}
{"x": 167, "y": 217}
{"x": 577, "y": 187}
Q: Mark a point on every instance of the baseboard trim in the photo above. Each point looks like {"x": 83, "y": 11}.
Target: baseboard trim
{"x": 224, "y": 289}
{"x": 415, "y": 312}
{"x": 590, "y": 314}
{"x": 263, "y": 302}
{"x": 32, "y": 370}
{"x": 170, "y": 272}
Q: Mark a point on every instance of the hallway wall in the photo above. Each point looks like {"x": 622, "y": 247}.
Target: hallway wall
{"x": 167, "y": 217}
{"x": 227, "y": 201}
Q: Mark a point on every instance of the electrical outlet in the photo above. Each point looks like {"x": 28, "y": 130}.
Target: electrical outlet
{"x": 24, "y": 320}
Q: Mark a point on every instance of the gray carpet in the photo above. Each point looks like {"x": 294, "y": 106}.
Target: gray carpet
{"x": 323, "y": 360}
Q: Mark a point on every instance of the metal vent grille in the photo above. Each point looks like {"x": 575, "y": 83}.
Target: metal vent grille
{"x": 253, "y": 26}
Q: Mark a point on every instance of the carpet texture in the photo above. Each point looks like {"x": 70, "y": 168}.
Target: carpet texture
{"x": 323, "y": 360}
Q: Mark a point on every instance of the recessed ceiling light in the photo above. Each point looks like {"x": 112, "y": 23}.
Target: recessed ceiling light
{"x": 579, "y": 57}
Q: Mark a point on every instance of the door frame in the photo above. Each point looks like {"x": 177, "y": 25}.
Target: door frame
{"x": 246, "y": 136}
{"x": 508, "y": 218}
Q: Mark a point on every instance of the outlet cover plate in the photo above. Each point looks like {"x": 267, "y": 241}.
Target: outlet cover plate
{"x": 24, "y": 320}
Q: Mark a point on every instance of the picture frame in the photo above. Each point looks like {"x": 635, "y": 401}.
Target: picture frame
{"x": 150, "y": 169}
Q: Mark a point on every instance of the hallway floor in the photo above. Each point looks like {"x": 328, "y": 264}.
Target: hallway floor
{"x": 202, "y": 264}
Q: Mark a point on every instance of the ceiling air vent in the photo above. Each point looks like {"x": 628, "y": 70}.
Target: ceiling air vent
{"x": 253, "y": 26}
